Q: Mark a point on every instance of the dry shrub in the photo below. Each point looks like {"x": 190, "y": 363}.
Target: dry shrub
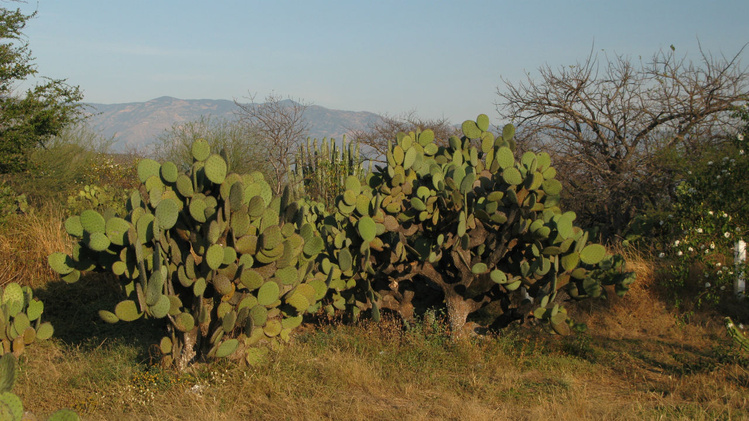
{"x": 26, "y": 241}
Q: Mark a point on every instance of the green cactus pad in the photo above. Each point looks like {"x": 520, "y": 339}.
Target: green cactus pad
{"x": 199, "y": 287}
{"x": 227, "y": 348}
{"x": 60, "y": 263}
{"x": 34, "y": 309}
{"x": 201, "y": 150}
{"x": 268, "y": 293}
{"x": 258, "y": 315}
{"x": 127, "y": 311}
{"x": 479, "y": 268}
{"x": 552, "y": 187}
{"x": 161, "y": 308}
{"x": 184, "y": 322}
{"x": 148, "y": 168}
{"x": 98, "y": 241}
{"x": 214, "y": 256}
{"x": 169, "y": 172}
{"x": 470, "y": 130}
{"x": 116, "y": 230}
{"x": 314, "y": 246}
{"x": 215, "y": 169}
{"x": 167, "y": 212}
{"x": 367, "y": 229}
{"x": 108, "y": 316}
{"x": 64, "y": 415}
{"x": 504, "y": 157}
{"x": 8, "y": 372}
{"x": 592, "y": 254}
{"x": 44, "y": 331}
{"x": 184, "y": 186}
{"x": 508, "y": 132}
{"x": 251, "y": 279}
{"x": 11, "y": 407}
{"x": 92, "y": 221}
{"x": 272, "y": 327}
{"x": 12, "y": 293}
{"x": 512, "y": 176}
{"x": 570, "y": 261}
{"x": 222, "y": 284}
{"x": 73, "y": 226}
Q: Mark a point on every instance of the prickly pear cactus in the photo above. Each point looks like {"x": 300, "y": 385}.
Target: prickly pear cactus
{"x": 20, "y": 319}
{"x": 468, "y": 222}
{"x": 213, "y": 252}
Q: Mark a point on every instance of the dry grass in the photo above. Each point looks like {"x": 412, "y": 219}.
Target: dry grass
{"x": 25, "y": 243}
{"x": 639, "y": 360}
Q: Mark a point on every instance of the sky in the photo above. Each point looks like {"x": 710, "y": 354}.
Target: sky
{"x": 438, "y": 59}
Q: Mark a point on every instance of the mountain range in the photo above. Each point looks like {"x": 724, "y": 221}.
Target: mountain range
{"x": 137, "y": 125}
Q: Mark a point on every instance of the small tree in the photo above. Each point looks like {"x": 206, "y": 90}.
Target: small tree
{"x": 29, "y": 119}
{"x": 281, "y": 129}
{"x": 606, "y": 122}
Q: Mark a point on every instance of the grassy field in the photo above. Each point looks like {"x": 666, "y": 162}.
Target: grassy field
{"x": 638, "y": 360}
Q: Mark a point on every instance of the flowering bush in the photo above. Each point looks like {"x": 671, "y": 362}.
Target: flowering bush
{"x": 709, "y": 214}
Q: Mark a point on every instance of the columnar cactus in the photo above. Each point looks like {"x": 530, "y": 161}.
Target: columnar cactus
{"x": 321, "y": 169}
{"x": 213, "y": 252}
{"x": 468, "y": 222}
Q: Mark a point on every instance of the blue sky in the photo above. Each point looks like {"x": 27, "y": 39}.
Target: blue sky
{"x": 437, "y": 58}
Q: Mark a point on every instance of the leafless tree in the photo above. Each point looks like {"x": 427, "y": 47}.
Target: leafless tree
{"x": 374, "y": 138}
{"x": 608, "y": 122}
{"x": 281, "y": 129}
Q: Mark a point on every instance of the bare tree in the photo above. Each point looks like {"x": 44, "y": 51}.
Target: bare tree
{"x": 608, "y": 122}
{"x": 238, "y": 141}
{"x": 375, "y": 137}
{"x": 281, "y": 129}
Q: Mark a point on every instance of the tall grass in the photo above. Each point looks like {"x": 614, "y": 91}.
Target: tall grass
{"x": 25, "y": 243}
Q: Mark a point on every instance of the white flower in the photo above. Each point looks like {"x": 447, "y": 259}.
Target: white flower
{"x": 707, "y": 284}
{"x": 706, "y": 275}
{"x": 662, "y": 255}
{"x": 679, "y": 253}
{"x": 710, "y": 213}
{"x": 726, "y": 234}
{"x": 723, "y": 288}
{"x": 690, "y": 249}
{"x": 707, "y": 251}
{"x": 740, "y": 136}
{"x": 660, "y": 222}
{"x": 741, "y": 151}
{"x": 676, "y": 243}
{"x": 699, "y": 230}
{"x": 725, "y": 215}
{"x": 718, "y": 264}
{"x": 712, "y": 246}
{"x": 709, "y": 162}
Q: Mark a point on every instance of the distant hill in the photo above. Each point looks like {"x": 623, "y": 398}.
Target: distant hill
{"x": 137, "y": 125}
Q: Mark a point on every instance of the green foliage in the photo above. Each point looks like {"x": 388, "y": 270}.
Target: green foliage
{"x": 707, "y": 216}
{"x": 217, "y": 255}
{"x": 99, "y": 199}
{"x": 10, "y": 202}
{"x": 30, "y": 119}
{"x": 467, "y": 224}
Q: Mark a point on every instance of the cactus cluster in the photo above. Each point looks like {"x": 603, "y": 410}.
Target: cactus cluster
{"x": 466, "y": 222}
{"x": 11, "y": 407}
{"x": 321, "y": 169}
{"x": 20, "y": 319}
{"x": 229, "y": 265}
{"x": 215, "y": 253}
